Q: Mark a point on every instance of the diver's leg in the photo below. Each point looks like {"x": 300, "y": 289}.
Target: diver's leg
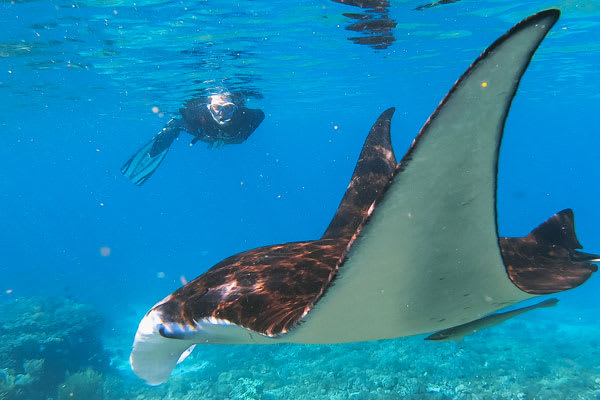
{"x": 145, "y": 161}
{"x": 162, "y": 141}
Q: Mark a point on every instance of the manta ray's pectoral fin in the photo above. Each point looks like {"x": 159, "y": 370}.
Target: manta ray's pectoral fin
{"x": 372, "y": 174}
{"x": 428, "y": 256}
{"x": 546, "y": 260}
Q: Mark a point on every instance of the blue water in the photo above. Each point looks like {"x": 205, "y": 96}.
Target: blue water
{"x": 78, "y": 83}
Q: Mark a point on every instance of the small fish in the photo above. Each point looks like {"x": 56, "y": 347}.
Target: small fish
{"x": 457, "y": 333}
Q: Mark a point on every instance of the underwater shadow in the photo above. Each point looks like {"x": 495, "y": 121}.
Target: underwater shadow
{"x": 374, "y": 23}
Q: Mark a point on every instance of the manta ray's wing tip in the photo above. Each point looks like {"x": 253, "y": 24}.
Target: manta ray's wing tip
{"x": 547, "y": 260}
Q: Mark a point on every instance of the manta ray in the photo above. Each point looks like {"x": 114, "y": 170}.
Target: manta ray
{"x": 413, "y": 247}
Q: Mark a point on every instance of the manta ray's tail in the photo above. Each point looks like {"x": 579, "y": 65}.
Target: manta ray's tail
{"x": 145, "y": 161}
{"x": 546, "y": 260}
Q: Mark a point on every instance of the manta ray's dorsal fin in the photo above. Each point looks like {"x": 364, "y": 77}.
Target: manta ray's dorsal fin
{"x": 372, "y": 174}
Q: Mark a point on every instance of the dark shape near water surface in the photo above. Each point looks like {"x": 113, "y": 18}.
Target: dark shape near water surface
{"x": 435, "y": 4}
{"x": 218, "y": 120}
{"x": 375, "y": 23}
{"x": 457, "y": 333}
{"x": 413, "y": 247}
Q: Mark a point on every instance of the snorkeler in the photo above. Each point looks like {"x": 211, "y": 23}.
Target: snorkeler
{"x": 218, "y": 119}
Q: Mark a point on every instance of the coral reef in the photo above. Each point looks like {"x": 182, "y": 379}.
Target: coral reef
{"x": 43, "y": 339}
{"x": 533, "y": 358}
{"x": 86, "y": 385}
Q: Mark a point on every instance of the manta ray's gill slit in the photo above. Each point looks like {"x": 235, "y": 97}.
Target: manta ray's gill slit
{"x": 174, "y": 330}
{"x": 213, "y": 321}
{"x": 280, "y": 328}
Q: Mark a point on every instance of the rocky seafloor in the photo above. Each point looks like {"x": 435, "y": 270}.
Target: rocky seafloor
{"x": 57, "y": 349}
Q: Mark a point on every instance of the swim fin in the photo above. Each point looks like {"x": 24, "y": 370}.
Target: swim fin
{"x": 145, "y": 161}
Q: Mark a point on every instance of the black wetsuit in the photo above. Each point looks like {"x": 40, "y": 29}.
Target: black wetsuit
{"x": 196, "y": 120}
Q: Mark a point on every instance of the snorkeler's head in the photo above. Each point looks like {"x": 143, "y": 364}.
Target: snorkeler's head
{"x": 221, "y": 108}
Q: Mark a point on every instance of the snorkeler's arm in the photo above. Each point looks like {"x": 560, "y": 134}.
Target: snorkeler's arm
{"x": 196, "y": 119}
{"x": 145, "y": 161}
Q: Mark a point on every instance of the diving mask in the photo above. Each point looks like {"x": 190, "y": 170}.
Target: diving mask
{"x": 221, "y": 109}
